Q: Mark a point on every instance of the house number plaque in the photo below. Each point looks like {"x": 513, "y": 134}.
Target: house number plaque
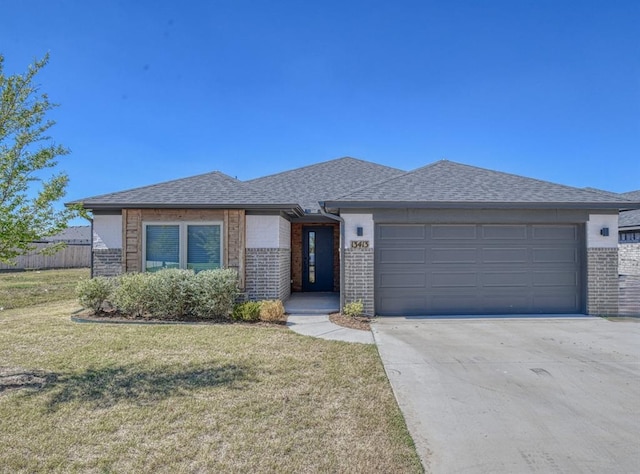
{"x": 359, "y": 244}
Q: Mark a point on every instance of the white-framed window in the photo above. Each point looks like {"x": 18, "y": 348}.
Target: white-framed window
{"x": 192, "y": 245}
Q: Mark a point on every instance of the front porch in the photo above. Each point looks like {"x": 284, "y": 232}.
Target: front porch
{"x": 312, "y": 303}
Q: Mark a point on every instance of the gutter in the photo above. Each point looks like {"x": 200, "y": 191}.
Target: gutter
{"x": 335, "y": 217}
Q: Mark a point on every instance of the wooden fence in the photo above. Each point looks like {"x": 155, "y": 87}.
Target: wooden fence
{"x": 71, "y": 256}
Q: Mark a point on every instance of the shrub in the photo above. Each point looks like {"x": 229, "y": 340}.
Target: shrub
{"x": 170, "y": 292}
{"x": 247, "y": 311}
{"x": 353, "y": 309}
{"x": 271, "y": 311}
{"x": 214, "y": 292}
{"x": 94, "y": 292}
{"x": 131, "y": 295}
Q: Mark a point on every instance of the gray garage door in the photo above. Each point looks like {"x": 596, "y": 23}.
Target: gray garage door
{"x": 428, "y": 269}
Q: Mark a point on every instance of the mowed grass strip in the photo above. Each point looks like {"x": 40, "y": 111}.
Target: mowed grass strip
{"x": 19, "y": 289}
{"x": 180, "y": 398}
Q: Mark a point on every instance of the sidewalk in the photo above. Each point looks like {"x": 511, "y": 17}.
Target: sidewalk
{"x": 318, "y": 325}
{"x": 308, "y": 314}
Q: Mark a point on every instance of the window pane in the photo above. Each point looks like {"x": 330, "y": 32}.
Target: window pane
{"x": 163, "y": 247}
{"x": 312, "y": 257}
{"x": 203, "y": 247}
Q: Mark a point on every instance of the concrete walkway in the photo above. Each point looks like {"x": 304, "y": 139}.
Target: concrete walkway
{"x": 308, "y": 314}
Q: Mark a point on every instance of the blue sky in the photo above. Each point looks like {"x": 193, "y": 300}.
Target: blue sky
{"x": 157, "y": 90}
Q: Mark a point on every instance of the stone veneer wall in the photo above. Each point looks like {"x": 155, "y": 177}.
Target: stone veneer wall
{"x": 107, "y": 262}
{"x": 268, "y": 273}
{"x": 359, "y": 277}
{"x": 602, "y": 281}
{"x": 629, "y": 259}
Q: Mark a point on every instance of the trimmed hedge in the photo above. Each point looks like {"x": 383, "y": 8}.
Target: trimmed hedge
{"x": 164, "y": 294}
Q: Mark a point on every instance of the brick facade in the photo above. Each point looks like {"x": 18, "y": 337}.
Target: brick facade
{"x": 629, "y": 259}
{"x": 107, "y": 262}
{"x": 602, "y": 281}
{"x": 268, "y": 273}
{"x": 359, "y": 277}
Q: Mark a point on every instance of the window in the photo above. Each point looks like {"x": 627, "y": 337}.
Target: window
{"x": 195, "y": 246}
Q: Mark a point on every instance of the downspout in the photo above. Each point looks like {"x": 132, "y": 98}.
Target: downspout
{"x": 334, "y": 217}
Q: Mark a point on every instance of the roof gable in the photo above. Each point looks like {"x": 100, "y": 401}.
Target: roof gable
{"x": 210, "y": 189}
{"x": 447, "y": 182}
{"x": 322, "y": 181}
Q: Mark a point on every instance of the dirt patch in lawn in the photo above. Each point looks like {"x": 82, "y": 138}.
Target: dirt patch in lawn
{"x": 16, "y": 378}
{"x": 360, "y": 322}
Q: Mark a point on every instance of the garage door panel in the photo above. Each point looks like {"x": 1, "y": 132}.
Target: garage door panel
{"x": 402, "y": 305}
{"x": 401, "y": 232}
{"x": 556, "y": 255}
{"x": 478, "y": 269}
{"x": 554, "y": 304}
{"x": 403, "y": 280}
{"x": 555, "y": 279}
{"x": 453, "y": 255}
{"x": 453, "y": 280}
{"x": 505, "y": 279}
{"x": 505, "y": 255}
{"x": 403, "y": 255}
{"x": 449, "y": 232}
{"x": 555, "y": 232}
{"x": 502, "y": 302}
{"x": 455, "y": 303}
{"x": 504, "y": 232}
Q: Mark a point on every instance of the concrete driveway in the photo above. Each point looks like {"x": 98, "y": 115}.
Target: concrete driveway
{"x": 517, "y": 395}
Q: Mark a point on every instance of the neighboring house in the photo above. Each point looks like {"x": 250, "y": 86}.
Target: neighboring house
{"x": 629, "y": 237}
{"x": 443, "y": 239}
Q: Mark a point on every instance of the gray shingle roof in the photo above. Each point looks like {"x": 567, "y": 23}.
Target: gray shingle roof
{"x": 629, "y": 219}
{"x": 351, "y": 181}
{"x": 213, "y": 189}
{"x": 71, "y": 235}
{"x": 319, "y": 182}
{"x": 448, "y": 182}
{"x": 631, "y": 195}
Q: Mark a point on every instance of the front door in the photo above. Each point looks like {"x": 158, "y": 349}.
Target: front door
{"x": 317, "y": 259}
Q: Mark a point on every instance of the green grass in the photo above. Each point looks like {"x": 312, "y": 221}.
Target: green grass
{"x": 22, "y": 289}
{"x": 184, "y": 398}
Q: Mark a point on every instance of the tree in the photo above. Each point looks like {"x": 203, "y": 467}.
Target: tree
{"x": 28, "y": 192}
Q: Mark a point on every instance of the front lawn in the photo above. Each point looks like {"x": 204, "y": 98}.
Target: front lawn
{"x": 19, "y": 289}
{"x": 183, "y": 398}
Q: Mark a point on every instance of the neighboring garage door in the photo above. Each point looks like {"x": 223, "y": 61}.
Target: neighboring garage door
{"x": 428, "y": 269}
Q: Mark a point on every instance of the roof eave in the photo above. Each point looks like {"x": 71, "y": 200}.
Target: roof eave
{"x": 294, "y": 208}
{"x": 472, "y": 204}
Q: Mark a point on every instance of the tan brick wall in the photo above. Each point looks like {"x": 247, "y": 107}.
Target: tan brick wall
{"x": 233, "y": 229}
{"x": 359, "y": 277}
{"x": 268, "y": 273}
{"x": 629, "y": 259}
{"x": 602, "y": 281}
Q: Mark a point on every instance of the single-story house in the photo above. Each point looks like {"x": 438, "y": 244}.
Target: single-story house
{"x": 629, "y": 237}
{"x": 446, "y": 238}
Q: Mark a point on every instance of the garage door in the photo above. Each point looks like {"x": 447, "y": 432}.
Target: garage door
{"x": 428, "y": 269}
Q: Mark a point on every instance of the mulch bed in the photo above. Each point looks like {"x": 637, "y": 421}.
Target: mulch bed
{"x": 361, "y": 322}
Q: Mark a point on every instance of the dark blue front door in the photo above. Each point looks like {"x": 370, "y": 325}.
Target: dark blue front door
{"x": 317, "y": 259}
